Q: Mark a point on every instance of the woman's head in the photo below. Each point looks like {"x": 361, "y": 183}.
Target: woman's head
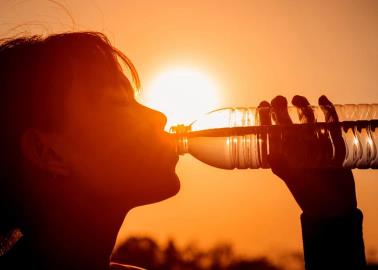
{"x": 70, "y": 120}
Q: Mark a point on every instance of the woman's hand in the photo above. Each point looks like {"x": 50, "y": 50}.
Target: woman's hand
{"x": 319, "y": 192}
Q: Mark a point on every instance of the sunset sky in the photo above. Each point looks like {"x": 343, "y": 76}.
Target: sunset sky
{"x": 245, "y": 51}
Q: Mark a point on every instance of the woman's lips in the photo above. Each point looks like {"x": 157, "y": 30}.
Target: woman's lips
{"x": 173, "y": 156}
{"x": 166, "y": 150}
{"x": 172, "y": 144}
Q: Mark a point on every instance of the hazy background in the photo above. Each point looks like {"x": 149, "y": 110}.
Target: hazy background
{"x": 254, "y": 50}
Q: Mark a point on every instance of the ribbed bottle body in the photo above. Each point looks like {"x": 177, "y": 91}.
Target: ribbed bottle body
{"x": 234, "y": 138}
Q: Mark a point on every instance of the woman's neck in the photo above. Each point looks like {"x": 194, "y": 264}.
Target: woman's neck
{"x": 68, "y": 225}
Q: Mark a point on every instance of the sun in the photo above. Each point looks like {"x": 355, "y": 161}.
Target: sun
{"x": 182, "y": 94}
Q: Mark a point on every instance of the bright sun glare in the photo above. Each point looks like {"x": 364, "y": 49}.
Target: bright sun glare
{"x": 182, "y": 94}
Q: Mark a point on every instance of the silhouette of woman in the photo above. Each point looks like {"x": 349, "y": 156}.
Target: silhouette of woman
{"x": 77, "y": 151}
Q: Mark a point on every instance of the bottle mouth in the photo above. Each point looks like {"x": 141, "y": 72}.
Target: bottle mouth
{"x": 180, "y": 129}
{"x": 179, "y": 133}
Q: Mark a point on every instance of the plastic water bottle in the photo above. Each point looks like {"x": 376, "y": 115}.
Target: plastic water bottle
{"x": 231, "y": 138}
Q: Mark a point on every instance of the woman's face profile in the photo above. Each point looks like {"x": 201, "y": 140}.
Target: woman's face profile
{"x": 79, "y": 150}
{"x": 117, "y": 147}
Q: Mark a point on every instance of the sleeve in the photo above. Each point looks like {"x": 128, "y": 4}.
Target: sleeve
{"x": 333, "y": 243}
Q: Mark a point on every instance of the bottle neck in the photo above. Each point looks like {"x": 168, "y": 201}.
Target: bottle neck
{"x": 182, "y": 145}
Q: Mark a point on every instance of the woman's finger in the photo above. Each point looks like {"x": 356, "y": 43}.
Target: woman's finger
{"x": 334, "y": 131}
{"x": 328, "y": 109}
{"x": 280, "y": 146}
{"x": 308, "y": 136}
{"x": 263, "y": 119}
{"x": 305, "y": 112}
{"x": 263, "y": 113}
{"x": 280, "y": 112}
{"x": 282, "y": 143}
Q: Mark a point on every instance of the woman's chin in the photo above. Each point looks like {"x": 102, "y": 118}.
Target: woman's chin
{"x": 162, "y": 189}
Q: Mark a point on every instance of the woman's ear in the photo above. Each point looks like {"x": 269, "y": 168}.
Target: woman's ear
{"x": 38, "y": 151}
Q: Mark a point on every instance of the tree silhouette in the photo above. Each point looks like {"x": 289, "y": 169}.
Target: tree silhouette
{"x": 147, "y": 253}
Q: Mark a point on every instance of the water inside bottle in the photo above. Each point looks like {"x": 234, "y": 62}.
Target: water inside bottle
{"x": 350, "y": 144}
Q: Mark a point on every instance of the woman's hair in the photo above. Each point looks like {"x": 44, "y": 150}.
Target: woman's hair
{"x": 35, "y": 75}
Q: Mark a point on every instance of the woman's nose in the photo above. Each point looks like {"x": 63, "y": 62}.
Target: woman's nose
{"x": 156, "y": 118}
{"x": 161, "y": 119}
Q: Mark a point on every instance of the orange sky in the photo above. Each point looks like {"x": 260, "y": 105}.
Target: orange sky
{"x": 254, "y": 50}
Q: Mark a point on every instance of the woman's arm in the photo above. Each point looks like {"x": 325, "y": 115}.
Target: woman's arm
{"x": 331, "y": 222}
